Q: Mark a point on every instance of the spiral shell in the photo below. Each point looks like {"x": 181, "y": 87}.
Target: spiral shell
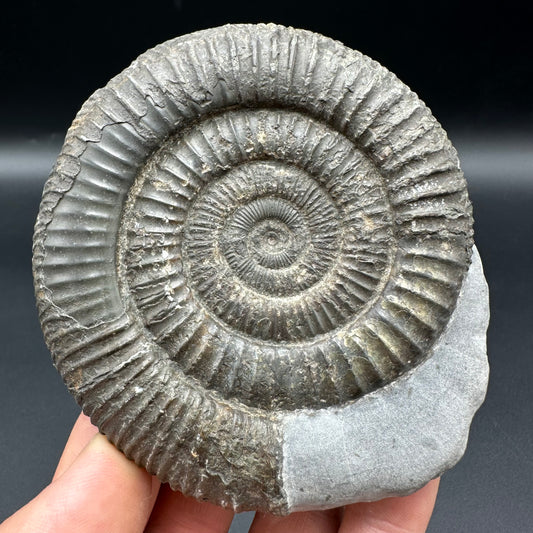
{"x": 247, "y": 221}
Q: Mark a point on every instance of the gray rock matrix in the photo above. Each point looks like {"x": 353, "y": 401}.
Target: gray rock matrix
{"x": 397, "y": 438}
{"x": 254, "y": 271}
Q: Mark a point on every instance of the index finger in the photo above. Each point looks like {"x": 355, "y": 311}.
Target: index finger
{"x": 82, "y": 432}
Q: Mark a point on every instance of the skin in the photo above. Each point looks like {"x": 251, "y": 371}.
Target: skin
{"x": 96, "y": 489}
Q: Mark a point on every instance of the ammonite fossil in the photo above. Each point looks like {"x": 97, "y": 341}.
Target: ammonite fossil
{"x": 249, "y": 223}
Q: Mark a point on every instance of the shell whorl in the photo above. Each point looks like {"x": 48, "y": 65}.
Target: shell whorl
{"x": 247, "y": 220}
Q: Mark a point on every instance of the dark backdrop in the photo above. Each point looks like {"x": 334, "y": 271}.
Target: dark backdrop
{"x": 472, "y": 64}
{"x": 468, "y": 61}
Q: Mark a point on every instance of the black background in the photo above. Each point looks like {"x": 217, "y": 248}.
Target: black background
{"x": 471, "y": 63}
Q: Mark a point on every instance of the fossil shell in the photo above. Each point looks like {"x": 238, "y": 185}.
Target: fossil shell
{"x": 248, "y": 220}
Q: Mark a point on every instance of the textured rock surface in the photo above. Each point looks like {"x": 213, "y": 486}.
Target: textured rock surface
{"x": 247, "y": 222}
{"x": 395, "y": 439}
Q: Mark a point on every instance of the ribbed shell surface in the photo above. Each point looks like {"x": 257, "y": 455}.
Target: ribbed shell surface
{"x": 247, "y": 221}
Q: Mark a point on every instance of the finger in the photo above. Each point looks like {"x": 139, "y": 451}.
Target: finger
{"x": 307, "y": 522}
{"x": 82, "y": 432}
{"x": 407, "y": 514}
{"x": 101, "y": 491}
{"x": 176, "y": 513}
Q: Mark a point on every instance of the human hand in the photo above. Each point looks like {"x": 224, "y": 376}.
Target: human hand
{"x": 96, "y": 489}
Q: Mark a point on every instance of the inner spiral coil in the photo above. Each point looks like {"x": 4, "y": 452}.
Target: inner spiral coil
{"x": 283, "y": 243}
